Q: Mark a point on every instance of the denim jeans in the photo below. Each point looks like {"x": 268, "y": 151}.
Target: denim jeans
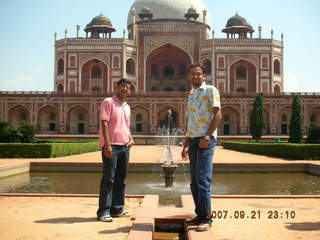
{"x": 201, "y": 176}
{"x": 112, "y": 185}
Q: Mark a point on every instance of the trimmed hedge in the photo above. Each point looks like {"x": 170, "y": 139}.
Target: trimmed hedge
{"x": 45, "y": 150}
{"x": 283, "y": 150}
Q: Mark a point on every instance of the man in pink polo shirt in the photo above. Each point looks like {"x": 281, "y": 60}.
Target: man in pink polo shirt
{"x": 115, "y": 140}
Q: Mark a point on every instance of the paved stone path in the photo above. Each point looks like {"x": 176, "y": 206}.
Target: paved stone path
{"x": 55, "y": 218}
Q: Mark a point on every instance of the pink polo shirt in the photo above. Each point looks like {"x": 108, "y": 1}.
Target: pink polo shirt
{"x": 118, "y": 117}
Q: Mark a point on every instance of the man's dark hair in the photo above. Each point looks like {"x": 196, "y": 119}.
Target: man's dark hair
{"x": 195, "y": 66}
{"x": 123, "y": 80}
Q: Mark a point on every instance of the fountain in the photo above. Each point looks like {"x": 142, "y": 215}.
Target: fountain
{"x": 169, "y": 167}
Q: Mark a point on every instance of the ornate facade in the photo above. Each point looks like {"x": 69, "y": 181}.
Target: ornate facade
{"x": 163, "y": 39}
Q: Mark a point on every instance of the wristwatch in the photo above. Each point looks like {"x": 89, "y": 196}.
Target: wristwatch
{"x": 207, "y": 137}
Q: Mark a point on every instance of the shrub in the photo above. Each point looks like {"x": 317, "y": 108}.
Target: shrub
{"x": 257, "y": 123}
{"x": 283, "y": 150}
{"x": 314, "y": 135}
{"x": 8, "y": 133}
{"x": 26, "y": 133}
{"x": 295, "y": 129}
{"x": 45, "y": 150}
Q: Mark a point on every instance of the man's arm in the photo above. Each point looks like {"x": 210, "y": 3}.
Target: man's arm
{"x": 204, "y": 141}
{"x": 131, "y": 142}
{"x": 185, "y": 148}
{"x": 105, "y": 133}
{"x": 215, "y": 120}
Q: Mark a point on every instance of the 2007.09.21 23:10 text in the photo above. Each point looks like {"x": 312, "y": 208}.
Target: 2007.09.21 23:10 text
{"x": 254, "y": 214}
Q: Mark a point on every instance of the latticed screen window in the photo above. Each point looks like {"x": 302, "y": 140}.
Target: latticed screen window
{"x": 313, "y": 118}
{"x": 23, "y": 116}
{"x": 96, "y": 72}
{"x": 80, "y": 117}
{"x": 139, "y": 117}
{"x": 284, "y": 118}
{"x": 52, "y": 117}
{"x": 241, "y": 73}
{"x": 154, "y": 70}
{"x": 168, "y": 70}
{"x": 130, "y": 66}
{"x": 276, "y": 66}
{"x": 60, "y": 66}
{"x": 207, "y": 66}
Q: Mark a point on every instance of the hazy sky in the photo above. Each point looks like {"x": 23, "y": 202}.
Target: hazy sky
{"x": 27, "y": 35}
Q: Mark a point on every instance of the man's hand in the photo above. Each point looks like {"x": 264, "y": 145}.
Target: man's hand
{"x": 204, "y": 142}
{"x": 108, "y": 151}
{"x": 130, "y": 143}
{"x": 184, "y": 153}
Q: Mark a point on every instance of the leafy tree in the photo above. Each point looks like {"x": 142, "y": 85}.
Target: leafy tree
{"x": 26, "y": 133}
{"x": 314, "y": 134}
{"x": 8, "y": 133}
{"x": 295, "y": 129}
{"x": 257, "y": 123}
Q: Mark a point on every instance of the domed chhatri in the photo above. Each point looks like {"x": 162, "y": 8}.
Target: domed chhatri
{"x": 238, "y": 25}
{"x": 237, "y": 20}
{"x": 192, "y": 13}
{"x": 146, "y": 13}
{"x": 99, "y": 25}
{"x": 171, "y": 10}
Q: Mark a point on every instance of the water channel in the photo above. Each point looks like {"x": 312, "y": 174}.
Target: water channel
{"x": 142, "y": 183}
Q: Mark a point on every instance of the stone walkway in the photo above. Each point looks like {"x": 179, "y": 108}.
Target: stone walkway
{"x": 65, "y": 217}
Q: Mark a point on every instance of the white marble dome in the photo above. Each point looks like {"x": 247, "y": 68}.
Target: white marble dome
{"x": 170, "y": 9}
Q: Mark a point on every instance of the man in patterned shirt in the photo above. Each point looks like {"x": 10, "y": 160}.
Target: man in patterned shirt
{"x": 203, "y": 118}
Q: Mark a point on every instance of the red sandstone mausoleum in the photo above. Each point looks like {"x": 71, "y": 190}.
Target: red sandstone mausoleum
{"x": 164, "y": 37}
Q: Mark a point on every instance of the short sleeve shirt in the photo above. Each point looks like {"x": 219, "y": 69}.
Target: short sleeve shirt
{"x": 199, "y": 110}
{"x": 117, "y": 114}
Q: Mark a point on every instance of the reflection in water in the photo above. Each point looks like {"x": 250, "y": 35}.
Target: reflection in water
{"x": 141, "y": 183}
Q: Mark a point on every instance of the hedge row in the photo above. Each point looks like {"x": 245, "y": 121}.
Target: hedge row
{"x": 45, "y": 150}
{"x": 283, "y": 150}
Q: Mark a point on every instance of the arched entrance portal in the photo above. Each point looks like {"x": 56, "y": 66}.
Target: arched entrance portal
{"x": 243, "y": 76}
{"x": 94, "y": 76}
{"x": 230, "y": 121}
{"x": 166, "y": 69}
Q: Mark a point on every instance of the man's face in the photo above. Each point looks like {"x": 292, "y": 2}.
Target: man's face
{"x": 124, "y": 89}
{"x": 196, "y": 77}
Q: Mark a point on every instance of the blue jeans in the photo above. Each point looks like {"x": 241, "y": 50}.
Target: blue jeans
{"x": 201, "y": 176}
{"x": 112, "y": 185}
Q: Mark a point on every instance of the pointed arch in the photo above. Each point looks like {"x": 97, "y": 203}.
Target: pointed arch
{"x": 165, "y": 66}
{"x": 130, "y": 66}
{"x": 19, "y": 114}
{"x": 48, "y": 119}
{"x": 248, "y": 80}
{"x": 78, "y": 119}
{"x": 140, "y": 120}
{"x": 89, "y": 81}
{"x": 230, "y": 121}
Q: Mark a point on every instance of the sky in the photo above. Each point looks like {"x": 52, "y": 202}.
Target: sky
{"x": 27, "y": 30}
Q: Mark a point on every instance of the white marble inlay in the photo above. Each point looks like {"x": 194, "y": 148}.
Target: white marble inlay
{"x": 225, "y": 48}
{"x": 94, "y": 47}
{"x": 116, "y": 73}
{"x": 72, "y": 72}
{"x": 221, "y": 73}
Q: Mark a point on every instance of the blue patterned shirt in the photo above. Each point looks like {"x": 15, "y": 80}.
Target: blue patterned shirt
{"x": 199, "y": 110}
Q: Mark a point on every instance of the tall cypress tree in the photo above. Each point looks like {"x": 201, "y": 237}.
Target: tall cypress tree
{"x": 295, "y": 129}
{"x": 257, "y": 123}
